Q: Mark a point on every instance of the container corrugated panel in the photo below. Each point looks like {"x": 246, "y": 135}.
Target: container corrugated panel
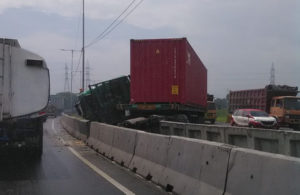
{"x": 167, "y": 71}
{"x": 253, "y": 98}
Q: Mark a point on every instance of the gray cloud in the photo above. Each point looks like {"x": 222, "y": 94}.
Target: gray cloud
{"x": 237, "y": 40}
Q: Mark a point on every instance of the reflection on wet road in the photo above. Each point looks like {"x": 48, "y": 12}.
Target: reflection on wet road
{"x": 59, "y": 171}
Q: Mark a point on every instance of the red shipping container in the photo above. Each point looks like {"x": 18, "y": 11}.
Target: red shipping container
{"x": 252, "y": 98}
{"x": 167, "y": 71}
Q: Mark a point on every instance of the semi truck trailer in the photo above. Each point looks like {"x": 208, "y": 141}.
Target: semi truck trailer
{"x": 24, "y": 94}
{"x": 167, "y": 81}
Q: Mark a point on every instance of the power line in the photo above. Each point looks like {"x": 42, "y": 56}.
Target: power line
{"x": 79, "y": 60}
{"x": 108, "y": 29}
{"x": 92, "y": 42}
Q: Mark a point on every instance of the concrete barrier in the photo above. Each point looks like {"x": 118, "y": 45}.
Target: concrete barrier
{"x": 78, "y": 128}
{"x": 268, "y": 140}
{"x": 116, "y": 143}
{"x": 191, "y": 166}
{"x": 195, "y": 166}
{"x": 67, "y": 123}
{"x": 106, "y": 136}
{"x": 150, "y": 158}
{"x": 173, "y": 129}
{"x": 254, "y": 172}
{"x": 124, "y": 144}
{"x": 94, "y": 138}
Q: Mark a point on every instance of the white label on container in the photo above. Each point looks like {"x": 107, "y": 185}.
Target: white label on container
{"x": 188, "y": 60}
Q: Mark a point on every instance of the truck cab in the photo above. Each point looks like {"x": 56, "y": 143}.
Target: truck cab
{"x": 287, "y": 111}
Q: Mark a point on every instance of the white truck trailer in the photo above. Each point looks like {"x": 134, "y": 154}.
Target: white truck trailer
{"x": 24, "y": 94}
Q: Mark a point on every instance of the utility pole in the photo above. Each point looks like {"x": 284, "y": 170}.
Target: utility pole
{"x": 71, "y": 75}
{"x": 272, "y": 75}
{"x": 72, "y": 63}
{"x": 87, "y": 71}
{"x": 83, "y": 52}
{"x": 66, "y": 87}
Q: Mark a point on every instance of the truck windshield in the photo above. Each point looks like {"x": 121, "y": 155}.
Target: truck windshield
{"x": 211, "y": 106}
{"x": 292, "y": 103}
{"x": 258, "y": 113}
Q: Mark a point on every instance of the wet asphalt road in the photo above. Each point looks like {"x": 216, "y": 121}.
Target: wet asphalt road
{"x": 59, "y": 171}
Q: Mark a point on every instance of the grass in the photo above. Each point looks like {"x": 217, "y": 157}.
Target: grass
{"x": 222, "y": 115}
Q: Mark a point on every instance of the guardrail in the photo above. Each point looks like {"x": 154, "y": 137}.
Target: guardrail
{"x": 193, "y": 166}
{"x": 268, "y": 140}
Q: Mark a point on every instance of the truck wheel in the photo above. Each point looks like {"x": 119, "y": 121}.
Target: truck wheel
{"x": 201, "y": 120}
{"x": 197, "y": 119}
{"x": 212, "y": 121}
{"x": 182, "y": 118}
{"x": 296, "y": 127}
{"x": 39, "y": 147}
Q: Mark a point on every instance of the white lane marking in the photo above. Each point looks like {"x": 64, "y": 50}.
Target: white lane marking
{"x": 96, "y": 169}
{"x": 54, "y": 127}
{"x": 101, "y": 173}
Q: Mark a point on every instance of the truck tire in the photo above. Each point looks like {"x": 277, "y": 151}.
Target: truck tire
{"x": 296, "y": 127}
{"x": 38, "y": 150}
{"x": 182, "y": 118}
{"x": 197, "y": 119}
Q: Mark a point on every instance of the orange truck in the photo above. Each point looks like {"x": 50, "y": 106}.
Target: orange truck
{"x": 280, "y": 101}
{"x": 211, "y": 112}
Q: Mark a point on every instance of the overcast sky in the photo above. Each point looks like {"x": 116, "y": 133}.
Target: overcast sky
{"x": 237, "y": 40}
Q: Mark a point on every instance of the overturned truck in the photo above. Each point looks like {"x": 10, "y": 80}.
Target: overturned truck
{"x": 167, "y": 81}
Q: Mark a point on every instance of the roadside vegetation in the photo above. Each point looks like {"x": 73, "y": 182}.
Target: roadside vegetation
{"x": 222, "y": 109}
{"x": 222, "y": 115}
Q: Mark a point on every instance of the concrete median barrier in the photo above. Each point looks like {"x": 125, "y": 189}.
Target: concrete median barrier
{"x": 106, "y": 137}
{"x": 173, "y": 128}
{"x": 195, "y": 166}
{"x": 150, "y": 158}
{"x": 78, "y": 128}
{"x": 94, "y": 138}
{"x": 267, "y": 140}
{"x": 123, "y": 145}
{"x": 116, "y": 143}
{"x": 67, "y": 123}
{"x": 254, "y": 172}
{"x": 192, "y": 166}
{"x": 101, "y": 138}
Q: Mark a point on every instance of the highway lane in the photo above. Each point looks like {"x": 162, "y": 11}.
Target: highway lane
{"x": 67, "y": 166}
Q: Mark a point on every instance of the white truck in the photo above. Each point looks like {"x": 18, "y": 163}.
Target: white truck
{"x": 24, "y": 94}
